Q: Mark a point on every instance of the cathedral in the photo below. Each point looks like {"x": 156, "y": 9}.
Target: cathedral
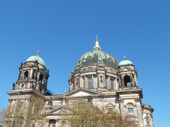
{"x": 97, "y": 78}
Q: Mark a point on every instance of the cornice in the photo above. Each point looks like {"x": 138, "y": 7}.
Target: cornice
{"x": 25, "y": 91}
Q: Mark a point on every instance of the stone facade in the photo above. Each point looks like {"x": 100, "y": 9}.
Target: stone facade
{"x": 104, "y": 83}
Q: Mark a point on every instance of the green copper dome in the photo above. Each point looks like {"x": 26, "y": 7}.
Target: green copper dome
{"x": 36, "y": 58}
{"x": 125, "y": 63}
{"x": 97, "y": 57}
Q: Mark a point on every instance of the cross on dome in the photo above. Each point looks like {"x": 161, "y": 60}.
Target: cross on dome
{"x": 97, "y": 47}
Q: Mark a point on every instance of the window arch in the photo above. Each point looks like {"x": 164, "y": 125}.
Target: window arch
{"x": 130, "y": 109}
{"x": 111, "y": 83}
{"x": 110, "y": 107}
{"x": 89, "y": 82}
{"x": 41, "y": 78}
{"x": 106, "y": 85}
{"x": 23, "y": 85}
{"x": 26, "y": 75}
{"x": 127, "y": 81}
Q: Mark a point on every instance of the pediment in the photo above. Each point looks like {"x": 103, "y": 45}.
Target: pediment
{"x": 125, "y": 69}
{"x": 82, "y": 92}
{"x": 60, "y": 110}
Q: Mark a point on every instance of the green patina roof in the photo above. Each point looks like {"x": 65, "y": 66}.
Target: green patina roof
{"x": 36, "y": 58}
{"x": 97, "y": 57}
{"x": 125, "y": 63}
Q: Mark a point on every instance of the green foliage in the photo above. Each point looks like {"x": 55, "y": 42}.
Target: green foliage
{"x": 87, "y": 115}
{"x": 2, "y": 115}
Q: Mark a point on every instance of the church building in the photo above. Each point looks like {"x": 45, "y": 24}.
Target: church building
{"x": 97, "y": 78}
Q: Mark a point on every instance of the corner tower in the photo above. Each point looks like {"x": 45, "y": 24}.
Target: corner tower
{"x": 127, "y": 74}
{"x": 27, "y": 98}
{"x": 33, "y": 75}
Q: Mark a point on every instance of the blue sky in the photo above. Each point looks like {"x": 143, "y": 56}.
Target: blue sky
{"x": 63, "y": 30}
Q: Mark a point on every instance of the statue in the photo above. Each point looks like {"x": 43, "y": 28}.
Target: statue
{"x": 13, "y": 86}
{"x": 21, "y": 65}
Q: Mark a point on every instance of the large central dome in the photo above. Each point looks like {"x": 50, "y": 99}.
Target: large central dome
{"x": 97, "y": 57}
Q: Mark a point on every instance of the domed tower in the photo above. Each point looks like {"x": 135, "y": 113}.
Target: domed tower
{"x": 95, "y": 70}
{"x": 127, "y": 74}
{"x": 33, "y": 75}
{"x": 28, "y": 97}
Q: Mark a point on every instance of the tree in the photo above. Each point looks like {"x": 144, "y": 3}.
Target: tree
{"x": 86, "y": 115}
{"x": 28, "y": 113}
{"x": 2, "y": 115}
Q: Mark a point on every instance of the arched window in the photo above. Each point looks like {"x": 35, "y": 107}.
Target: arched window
{"x": 34, "y": 74}
{"x": 77, "y": 82}
{"x": 95, "y": 81}
{"x": 40, "y": 89}
{"x": 130, "y": 108}
{"x": 112, "y": 83}
{"x": 64, "y": 122}
{"x": 147, "y": 119}
{"x": 26, "y": 75}
{"x": 41, "y": 78}
{"x": 89, "y": 82}
{"x": 52, "y": 123}
{"x": 22, "y": 86}
{"x": 101, "y": 78}
{"x": 127, "y": 81}
{"x": 84, "y": 82}
{"x": 106, "y": 81}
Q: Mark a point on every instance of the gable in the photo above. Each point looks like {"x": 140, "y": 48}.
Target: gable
{"x": 61, "y": 110}
{"x": 82, "y": 92}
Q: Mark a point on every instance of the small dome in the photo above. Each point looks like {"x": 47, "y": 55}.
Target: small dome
{"x": 97, "y": 57}
{"x": 125, "y": 63}
{"x": 36, "y": 58}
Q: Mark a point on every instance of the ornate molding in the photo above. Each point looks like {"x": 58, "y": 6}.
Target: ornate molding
{"x": 137, "y": 99}
{"x": 121, "y": 100}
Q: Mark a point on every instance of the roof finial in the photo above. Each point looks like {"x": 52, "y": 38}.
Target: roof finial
{"x": 96, "y": 37}
{"x": 38, "y": 52}
{"x": 124, "y": 57}
{"x": 97, "y": 47}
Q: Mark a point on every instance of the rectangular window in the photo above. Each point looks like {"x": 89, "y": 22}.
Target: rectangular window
{"x": 112, "y": 84}
{"x": 84, "y": 82}
{"x": 106, "y": 82}
{"x": 95, "y": 81}
{"x": 147, "y": 120}
{"x": 110, "y": 110}
{"x": 130, "y": 110}
{"x": 89, "y": 82}
{"x": 132, "y": 116}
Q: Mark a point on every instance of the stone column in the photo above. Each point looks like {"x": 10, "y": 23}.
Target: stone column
{"x": 108, "y": 83}
{"x": 131, "y": 80}
{"x": 81, "y": 81}
{"x": 139, "y": 111}
{"x": 43, "y": 81}
{"x": 28, "y": 77}
{"x": 122, "y": 81}
{"x": 115, "y": 84}
{"x": 135, "y": 78}
{"x": 22, "y": 74}
{"x": 31, "y": 73}
{"x": 121, "y": 106}
{"x": 86, "y": 82}
{"x": 92, "y": 81}
{"x": 38, "y": 76}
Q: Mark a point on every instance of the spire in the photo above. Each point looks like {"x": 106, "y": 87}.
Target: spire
{"x": 97, "y": 47}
